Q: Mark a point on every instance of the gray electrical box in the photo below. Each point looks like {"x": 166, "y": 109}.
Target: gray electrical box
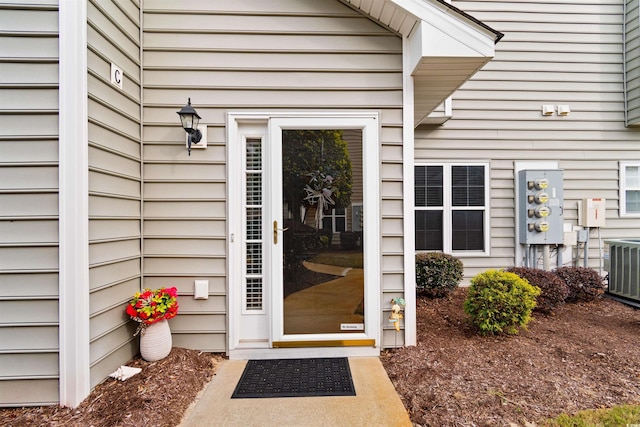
{"x": 540, "y": 207}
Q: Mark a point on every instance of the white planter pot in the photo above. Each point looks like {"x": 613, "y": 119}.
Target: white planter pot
{"x": 155, "y": 341}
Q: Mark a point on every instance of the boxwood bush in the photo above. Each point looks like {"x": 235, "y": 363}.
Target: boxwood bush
{"x": 585, "y": 284}
{"x": 499, "y": 302}
{"x": 437, "y": 274}
{"x": 553, "y": 289}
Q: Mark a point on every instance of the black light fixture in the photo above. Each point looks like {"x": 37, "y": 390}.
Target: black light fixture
{"x": 190, "y": 118}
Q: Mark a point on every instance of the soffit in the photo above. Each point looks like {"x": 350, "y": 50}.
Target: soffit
{"x": 446, "y": 47}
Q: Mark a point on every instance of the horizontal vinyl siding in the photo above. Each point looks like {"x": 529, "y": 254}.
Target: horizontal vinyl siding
{"x": 115, "y": 227}
{"x": 552, "y": 53}
{"x": 28, "y": 203}
{"x": 251, "y": 55}
{"x": 632, "y": 60}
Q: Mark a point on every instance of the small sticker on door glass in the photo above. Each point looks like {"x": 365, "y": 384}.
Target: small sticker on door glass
{"x": 352, "y": 326}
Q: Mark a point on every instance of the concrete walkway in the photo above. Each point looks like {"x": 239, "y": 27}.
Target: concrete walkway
{"x": 326, "y": 269}
{"x": 376, "y": 403}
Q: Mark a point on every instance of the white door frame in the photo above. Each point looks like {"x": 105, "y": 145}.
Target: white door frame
{"x": 276, "y": 121}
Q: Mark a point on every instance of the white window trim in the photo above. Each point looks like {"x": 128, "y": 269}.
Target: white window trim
{"x": 447, "y": 208}
{"x": 623, "y": 189}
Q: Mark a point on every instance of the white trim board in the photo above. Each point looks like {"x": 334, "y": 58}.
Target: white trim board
{"x": 73, "y": 205}
{"x": 408, "y": 200}
{"x": 367, "y": 121}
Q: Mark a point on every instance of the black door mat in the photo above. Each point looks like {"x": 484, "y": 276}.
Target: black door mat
{"x": 295, "y": 378}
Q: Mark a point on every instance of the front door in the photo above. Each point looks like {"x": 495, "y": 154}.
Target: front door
{"x": 306, "y": 274}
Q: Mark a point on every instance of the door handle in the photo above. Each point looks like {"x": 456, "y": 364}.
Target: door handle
{"x": 275, "y": 232}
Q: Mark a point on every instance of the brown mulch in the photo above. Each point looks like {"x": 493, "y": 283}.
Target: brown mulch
{"x": 585, "y": 356}
{"x": 157, "y": 396}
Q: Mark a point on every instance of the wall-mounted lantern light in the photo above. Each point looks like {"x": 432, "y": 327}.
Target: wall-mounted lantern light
{"x": 190, "y": 118}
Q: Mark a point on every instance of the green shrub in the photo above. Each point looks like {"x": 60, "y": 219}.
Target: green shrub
{"x": 585, "y": 284}
{"x": 553, "y": 289}
{"x": 500, "y": 302}
{"x": 437, "y": 274}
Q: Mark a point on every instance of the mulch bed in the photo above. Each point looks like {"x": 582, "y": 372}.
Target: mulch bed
{"x": 157, "y": 396}
{"x": 585, "y": 356}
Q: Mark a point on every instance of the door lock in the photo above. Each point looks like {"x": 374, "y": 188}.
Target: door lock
{"x": 275, "y": 232}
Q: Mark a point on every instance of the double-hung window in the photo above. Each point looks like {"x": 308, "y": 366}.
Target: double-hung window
{"x": 335, "y": 220}
{"x": 451, "y": 212}
{"x": 630, "y": 188}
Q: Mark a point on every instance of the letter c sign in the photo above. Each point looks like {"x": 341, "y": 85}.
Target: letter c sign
{"x": 117, "y": 76}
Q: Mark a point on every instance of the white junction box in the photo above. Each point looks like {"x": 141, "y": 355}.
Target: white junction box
{"x": 570, "y": 235}
{"x": 593, "y": 212}
{"x": 201, "y": 289}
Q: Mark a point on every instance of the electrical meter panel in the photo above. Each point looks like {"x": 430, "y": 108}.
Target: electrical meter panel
{"x": 540, "y": 211}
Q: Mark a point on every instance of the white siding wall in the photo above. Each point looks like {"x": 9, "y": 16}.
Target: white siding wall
{"x": 250, "y": 54}
{"x": 552, "y": 53}
{"x": 113, "y": 32}
{"x": 28, "y": 203}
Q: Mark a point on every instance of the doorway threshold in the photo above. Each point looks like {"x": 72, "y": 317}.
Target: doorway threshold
{"x": 302, "y": 352}
{"x": 325, "y": 343}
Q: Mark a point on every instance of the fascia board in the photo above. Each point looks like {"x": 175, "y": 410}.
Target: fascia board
{"x": 438, "y": 14}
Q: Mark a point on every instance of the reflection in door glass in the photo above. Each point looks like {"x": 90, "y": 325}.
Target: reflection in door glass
{"x": 323, "y": 269}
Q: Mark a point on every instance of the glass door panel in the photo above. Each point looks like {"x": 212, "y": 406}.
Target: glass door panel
{"x": 323, "y": 262}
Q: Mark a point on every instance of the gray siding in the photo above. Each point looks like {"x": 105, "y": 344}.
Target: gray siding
{"x": 28, "y": 203}
{"x": 571, "y": 54}
{"x": 632, "y": 60}
{"x": 249, "y": 54}
{"x": 115, "y": 181}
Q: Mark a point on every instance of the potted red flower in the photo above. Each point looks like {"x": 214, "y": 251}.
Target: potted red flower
{"x": 151, "y": 309}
